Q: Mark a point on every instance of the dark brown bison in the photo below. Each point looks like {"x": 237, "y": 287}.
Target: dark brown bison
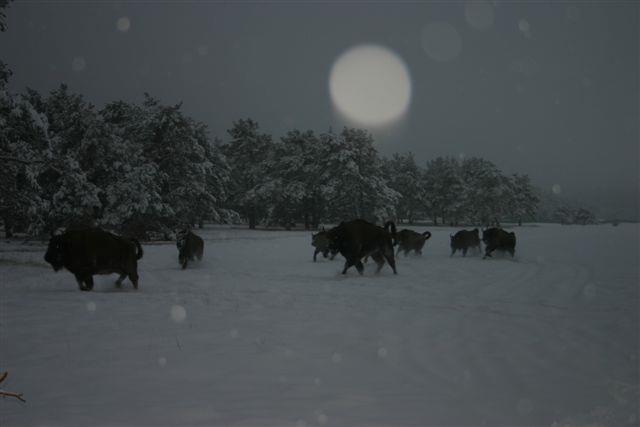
{"x": 321, "y": 243}
{"x": 465, "y": 239}
{"x": 189, "y": 246}
{"x": 358, "y": 238}
{"x": 86, "y": 252}
{"x": 498, "y": 239}
{"x": 409, "y": 240}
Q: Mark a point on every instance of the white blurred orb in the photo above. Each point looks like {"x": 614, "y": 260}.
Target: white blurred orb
{"x": 91, "y": 306}
{"x": 370, "y": 84}
{"x": 123, "y": 24}
{"x": 78, "y": 64}
{"x": 441, "y": 41}
{"x": 178, "y": 313}
{"x": 234, "y": 333}
{"x": 322, "y": 418}
{"x": 479, "y": 14}
{"x": 202, "y": 50}
{"x": 556, "y": 189}
{"x": 162, "y": 361}
{"x": 382, "y": 352}
{"x": 524, "y": 27}
{"x": 336, "y": 358}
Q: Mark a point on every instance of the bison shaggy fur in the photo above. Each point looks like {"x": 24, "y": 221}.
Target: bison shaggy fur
{"x": 358, "y": 238}
{"x": 190, "y": 246}
{"x": 320, "y": 242}
{"x": 409, "y": 240}
{"x": 465, "y": 239}
{"x": 498, "y": 239}
{"x": 86, "y": 252}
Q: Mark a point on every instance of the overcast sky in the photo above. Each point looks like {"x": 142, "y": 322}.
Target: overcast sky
{"x": 551, "y": 90}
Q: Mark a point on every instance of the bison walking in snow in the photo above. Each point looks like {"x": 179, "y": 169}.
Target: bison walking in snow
{"x": 358, "y": 238}
{"x": 465, "y": 239}
{"x": 497, "y": 238}
{"x": 94, "y": 251}
{"x": 320, "y": 241}
{"x": 189, "y": 246}
{"x": 409, "y": 240}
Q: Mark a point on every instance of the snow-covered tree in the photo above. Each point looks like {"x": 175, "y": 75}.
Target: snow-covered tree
{"x": 23, "y": 145}
{"x": 406, "y": 177}
{"x": 443, "y": 189}
{"x": 3, "y": 15}
{"x": 248, "y": 154}
{"x": 524, "y": 201}
{"x": 355, "y": 186}
{"x": 483, "y": 198}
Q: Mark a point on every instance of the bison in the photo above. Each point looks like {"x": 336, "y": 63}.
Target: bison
{"x": 465, "y": 239}
{"x": 497, "y": 238}
{"x": 85, "y": 252}
{"x": 321, "y": 243}
{"x": 358, "y": 238}
{"x": 409, "y": 240}
{"x": 189, "y": 246}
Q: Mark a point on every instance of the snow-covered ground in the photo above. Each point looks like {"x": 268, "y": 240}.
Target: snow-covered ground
{"x": 257, "y": 334}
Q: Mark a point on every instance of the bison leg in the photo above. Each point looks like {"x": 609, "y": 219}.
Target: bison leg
{"x": 379, "y": 259}
{"x": 133, "y": 276}
{"x": 315, "y": 253}
{"x": 464, "y": 251}
{"x": 453, "y": 251}
{"x": 399, "y": 249}
{"x": 80, "y": 281}
{"x": 391, "y": 260}
{"x": 85, "y": 282}
{"x": 488, "y": 251}
{"x": 350, "y": 262}
{"x": 333, "y": 255}
{"x": 120, "y": 279}
{"x": 512, "y": 252}
{"x": 184, "y": 264}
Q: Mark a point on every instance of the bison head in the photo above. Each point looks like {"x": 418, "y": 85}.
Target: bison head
{"x": 55, "y": 253}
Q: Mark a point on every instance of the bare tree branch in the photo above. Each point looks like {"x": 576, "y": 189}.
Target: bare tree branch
{"x": 3, "y": 393}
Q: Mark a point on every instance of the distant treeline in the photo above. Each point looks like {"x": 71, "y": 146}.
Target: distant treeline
{"x": 149, "y": 167}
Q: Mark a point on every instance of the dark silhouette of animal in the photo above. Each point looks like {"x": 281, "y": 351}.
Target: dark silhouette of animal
{"x": 85, "y": 252}
{"x": 190, "y": 246}
{"x": 358, "y": 238}
{"x": 320, "y": 241}
{"x": 465, "y": 239}
{"x": 409, "y": 240}
{"x": 498, "y": 239}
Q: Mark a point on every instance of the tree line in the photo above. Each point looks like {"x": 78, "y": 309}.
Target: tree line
{"x": 148, "y": 167}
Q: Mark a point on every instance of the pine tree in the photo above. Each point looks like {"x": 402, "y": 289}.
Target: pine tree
{"x": 248, "y": 154}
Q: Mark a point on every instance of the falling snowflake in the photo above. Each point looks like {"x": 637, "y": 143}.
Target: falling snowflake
{"x": 178, "y": 313}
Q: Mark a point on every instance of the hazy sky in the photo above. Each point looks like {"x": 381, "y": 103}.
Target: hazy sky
{"x": 548, "y": 89}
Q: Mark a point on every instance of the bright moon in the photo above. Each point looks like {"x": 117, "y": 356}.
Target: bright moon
{"x": 371, "y": 85}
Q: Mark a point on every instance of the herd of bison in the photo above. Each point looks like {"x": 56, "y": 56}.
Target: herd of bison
{"x": 86, "y": 252}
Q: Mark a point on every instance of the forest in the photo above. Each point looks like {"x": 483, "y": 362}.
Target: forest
{"x": 147, "y": 169}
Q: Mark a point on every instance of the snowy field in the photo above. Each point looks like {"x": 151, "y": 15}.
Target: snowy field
{"x": 259, "y": 335}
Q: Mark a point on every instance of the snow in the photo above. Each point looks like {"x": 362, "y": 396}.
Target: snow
{"x": 441, "y": 41}
{"x": 123, "y": 24}
{"x": 78, "y": 64}
{"x": 269, "y": 338}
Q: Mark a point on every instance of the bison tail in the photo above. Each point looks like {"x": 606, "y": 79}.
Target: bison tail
{"x": 427, "y": 234}
{"x": 140, "y": 252}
